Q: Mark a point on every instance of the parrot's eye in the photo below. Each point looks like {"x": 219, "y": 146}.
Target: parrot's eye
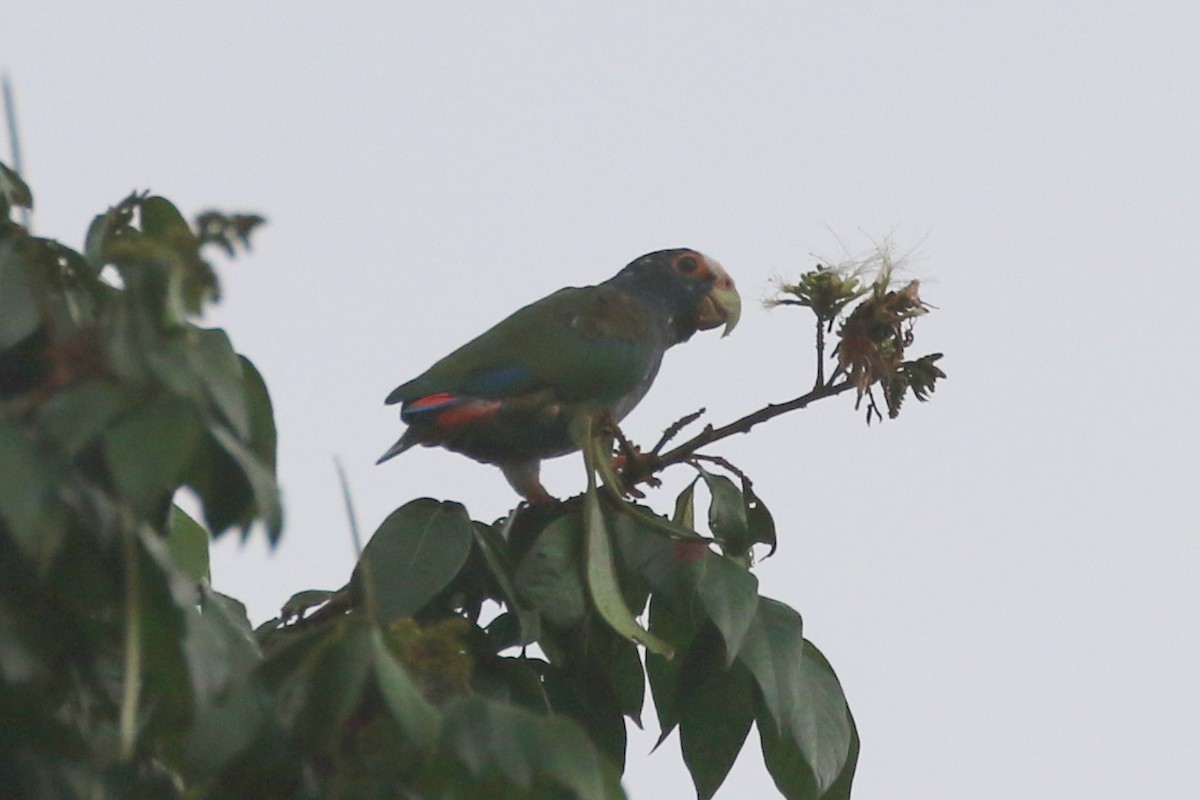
{"x": 687, "y": 265}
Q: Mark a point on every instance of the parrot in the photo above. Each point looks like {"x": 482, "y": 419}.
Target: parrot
{"x": 512, "y": 395}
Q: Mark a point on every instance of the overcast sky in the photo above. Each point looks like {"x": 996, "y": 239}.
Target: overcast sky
{"x": 1005, "y": 579}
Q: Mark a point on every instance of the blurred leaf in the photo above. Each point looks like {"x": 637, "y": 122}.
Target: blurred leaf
{"x": 187, "y": 542}
{"x": 678, "y": 628}
{"x": 414, "y": 554}
{"x": 214, "y": 361}
{"x": 18, "y": 308}
{"x": 602, "y": 580}
{"x": 27, "y": 484}
{"x": 260, "y": 479}
{"x": 76, "y": 415}
{"x": 584, "y": 693}
{"x": 628, "y": 678}
{"x": 497, "y": 739}
{"x": 148, "y": 449}
{"x": 302, "y": 601}
{"x": 548, "y": 578}
{"x": 262, "y": 413}
{"x": 13, "y": 191}
{"x": 419, "y": 720}
{"x": 332, "y": 686}
{"x": 715, "y": 717}
{"x": 163, "y": 596}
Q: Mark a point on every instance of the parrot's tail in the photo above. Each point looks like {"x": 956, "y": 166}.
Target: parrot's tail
{"x": 402, "y": 444}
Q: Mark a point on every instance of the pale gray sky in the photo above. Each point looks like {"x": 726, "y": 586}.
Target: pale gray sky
{"x": 1005, "y": 579}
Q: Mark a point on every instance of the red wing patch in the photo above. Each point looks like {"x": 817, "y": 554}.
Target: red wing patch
{"x": 463, "y": 415}
{"x": 431, "y": 401}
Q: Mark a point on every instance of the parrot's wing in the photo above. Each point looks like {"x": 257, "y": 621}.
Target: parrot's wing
{"x": 588, "y": 344}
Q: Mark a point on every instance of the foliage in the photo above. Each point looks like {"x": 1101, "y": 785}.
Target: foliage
{"x": 462, "y": 660}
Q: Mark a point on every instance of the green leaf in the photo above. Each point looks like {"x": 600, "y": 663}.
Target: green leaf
{"x": 496, "y": 739}
{"x": 14, "y": 191}
{"x": 414, "y": 554}
{"x": 18, "y": 308}
{"x": 149, "y": 448}
{"x": 26, "y": 486}
{"x": 809, "y": 741}
{"x": 685, "y": 507}
{"x": 716, "y": 716}
{"x": 302, "y": 601}
{"x": 259, "y": 477}
{"x": 548, "y": 577}
{"x": 773, "y": 651}
{"x": 585, "y": 695}
{"x": 420, "y": 721}
{"x": 262, "y": 413}
{"x": 187, "y": 542}
{"x": 76, "y": 416}
{"x": 758, "y": 518}
{"x": 727, "y": 514}
{"x": 729, "y": 594}
{"x": 214, "y": 361}
{"x": 679, "y": 628}
{"x": 495, "y": 554}
{"x": 602, "y": 580}
{"x": 333, "y": 684}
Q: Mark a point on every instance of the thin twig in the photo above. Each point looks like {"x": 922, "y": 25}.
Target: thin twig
{"x": 354, "y": 536}
{"x": 14, "y": 142}
{"x": 674, "y": 428}
{"x": 710, "y": 434}
{"x": 820, "y": 352}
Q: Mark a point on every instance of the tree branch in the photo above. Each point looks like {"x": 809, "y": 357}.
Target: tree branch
{"x": 643, "y": 469}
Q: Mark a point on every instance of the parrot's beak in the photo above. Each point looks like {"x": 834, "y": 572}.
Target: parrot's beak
{"x": 722, "y": 305}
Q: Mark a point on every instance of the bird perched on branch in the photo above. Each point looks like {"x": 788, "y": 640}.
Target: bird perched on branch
{"x": 511, "y": 396}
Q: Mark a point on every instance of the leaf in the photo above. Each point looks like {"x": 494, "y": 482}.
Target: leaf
{"x": 333, "y": 684}
{"x": 14, "y": 191}
{"x": 76, "y": 416}
{"x": 729, "y": 594}
{"x": 262, "y": 413}
{"x": 18, "y": 308}
{"x": 497, "y": 739}
{"x": 679, "y": 628}
{"x": 727, "y": 514}
{"x": 299, "y": 603}
{"x": 548, "y": 577}
{"x": 773, "y": 651}
{"x": 187, "y": 542}
{"x": 149, "y": 448}
{"x": 420, "y": 721}
{"x": 716, "y": 717}
{"x": 495, "y": 554}
{"x": 602, "y": 580}
{"x": 758, "y": 518}
{"x": 414, "y": 554}
{"x": 585, "y": 694}
{"x": 812, "y": 747}
{"x": 685, "y": 506}
{"x": 260, "y": 479}
{"x": 27, "y": 484}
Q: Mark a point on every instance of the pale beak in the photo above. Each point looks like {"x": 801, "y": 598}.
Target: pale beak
{"x": 722, "y": 305}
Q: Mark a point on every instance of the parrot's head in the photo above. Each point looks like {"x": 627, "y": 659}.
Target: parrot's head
{"x": 695, "y": 291}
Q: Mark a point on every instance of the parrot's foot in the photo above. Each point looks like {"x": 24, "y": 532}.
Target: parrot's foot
{"x": 524, "y": 478}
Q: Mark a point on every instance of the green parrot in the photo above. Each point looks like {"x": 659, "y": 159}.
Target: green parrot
{"x": 511, "y": 396}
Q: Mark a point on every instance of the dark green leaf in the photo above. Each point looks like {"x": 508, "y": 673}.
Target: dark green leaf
{"x": 548, "y": 578}
{"x": 729, "y": 594}
{"x": 678, "y": 627}
{"x": 302, "y": 601}
{"x": 497, "y": 739}
{"x": 75, "y": 416}
{"x": 333, "y": 686}
{"x": 495, "y": 553}
{"x": 758, "y": 517}
{"x": 148, "y": 449}
{"x": 260, "y": 479}
{"x": 586, "y": 696}
{"x": 13, "y": 191}
{"x": 602, "y": 579}
{"x": 187, "y": 542}
{"x": 27, "y": 483}
{"x": 715, "y": 717}
{"x": 414, "y": 554}
{"x": 262, "y": 414}
{"x": 213, "y": 360}
{"x": 628, "y": 679}
{"x": 811, "y": 753}
{"x": 727, "y": 514}
{"x": 163, "y": 597}
{"x": 773, "y": 651}
{"x": 18, "y": 309}
{"x": 419, "y": 720}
